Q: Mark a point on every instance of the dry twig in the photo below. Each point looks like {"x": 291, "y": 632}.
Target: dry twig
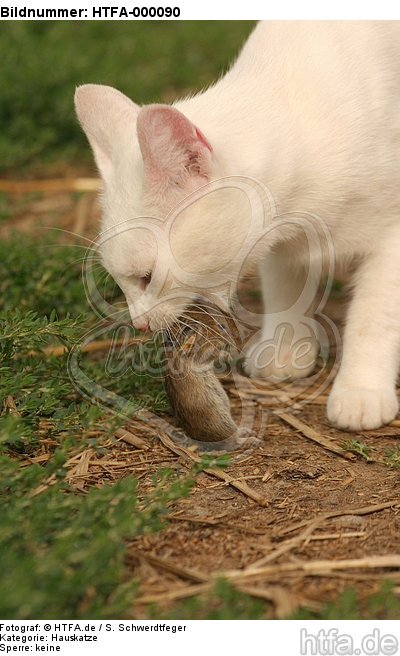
{"x": 130, "y": 438}
{"x": 164, "y": 437}
{"x": 312, "y": 434}
{"x": 50, "y": 186}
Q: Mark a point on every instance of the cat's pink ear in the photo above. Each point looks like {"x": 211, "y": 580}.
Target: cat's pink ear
{"x": 173, "y": 149}
{"x": 108, "y": 119}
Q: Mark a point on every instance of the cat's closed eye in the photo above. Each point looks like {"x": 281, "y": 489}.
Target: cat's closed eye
{"x": 145, "y": 280}
{"x": 134, "y": 279}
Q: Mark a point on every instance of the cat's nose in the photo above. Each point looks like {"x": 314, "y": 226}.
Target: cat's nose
{"x": 142, "y": 325}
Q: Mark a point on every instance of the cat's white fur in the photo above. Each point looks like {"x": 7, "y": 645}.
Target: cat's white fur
{"x": 312, "y": 110}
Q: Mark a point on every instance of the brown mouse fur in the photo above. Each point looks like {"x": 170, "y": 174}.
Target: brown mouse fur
{"x": 197, "y": 397}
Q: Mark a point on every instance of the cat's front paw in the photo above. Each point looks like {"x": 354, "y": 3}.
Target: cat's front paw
{"x": 357, "y": 409}
{"x": 278, "y": 362}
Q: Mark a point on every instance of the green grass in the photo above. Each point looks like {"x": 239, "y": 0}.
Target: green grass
{"x": 381, "y": 605}
{"x": 43, "y": 301}
{"x": 224, "y": 603}
{"x": 43, "y": 62}
{"x": 393, "y": 457}
{"x": 62, "y": 553}
{"x": 359, "y": 448}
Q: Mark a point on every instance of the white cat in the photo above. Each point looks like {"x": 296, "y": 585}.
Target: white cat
{"x": 311, "y": 110}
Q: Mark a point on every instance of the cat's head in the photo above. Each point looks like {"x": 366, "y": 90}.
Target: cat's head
{"x": 164, "y": 241}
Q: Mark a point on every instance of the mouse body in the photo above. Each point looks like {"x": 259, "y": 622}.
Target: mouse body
{"x": 197, "y": 397}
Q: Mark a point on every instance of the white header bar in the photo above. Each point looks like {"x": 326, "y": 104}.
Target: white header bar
{"x": 192, "y": 10}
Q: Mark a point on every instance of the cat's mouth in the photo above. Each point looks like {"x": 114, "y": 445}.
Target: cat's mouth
{"x": 167, "y": 314}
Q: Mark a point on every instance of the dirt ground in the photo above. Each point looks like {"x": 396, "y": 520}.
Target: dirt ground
{"x": 311, "y": 517}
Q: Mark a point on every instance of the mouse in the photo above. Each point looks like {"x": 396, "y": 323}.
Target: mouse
{"x": 198, "y": 399}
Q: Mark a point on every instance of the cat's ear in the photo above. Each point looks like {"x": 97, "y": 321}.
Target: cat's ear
{"x": 108, "y": 118}
{"x": 173, "y": 149}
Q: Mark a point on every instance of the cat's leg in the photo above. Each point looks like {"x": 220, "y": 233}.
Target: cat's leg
{"x": 364, "y": 393}
{"x": 288, "y": 347}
